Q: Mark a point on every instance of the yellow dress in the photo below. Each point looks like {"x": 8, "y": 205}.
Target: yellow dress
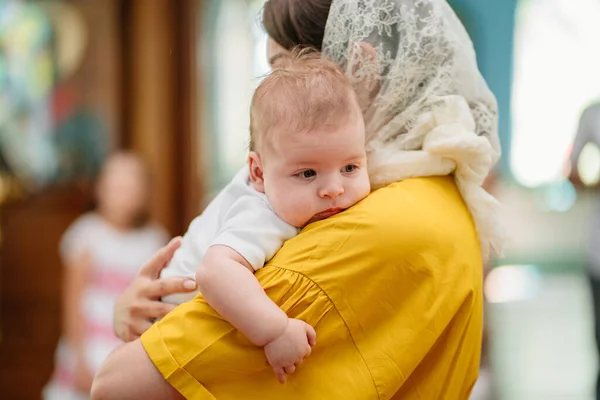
{"x": 393, "y": 288}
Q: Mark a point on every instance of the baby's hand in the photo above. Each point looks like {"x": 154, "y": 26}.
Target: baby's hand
{"x": 290, "y": 348}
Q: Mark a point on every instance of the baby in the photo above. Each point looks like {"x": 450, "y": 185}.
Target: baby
{"x": 307, "y": 162}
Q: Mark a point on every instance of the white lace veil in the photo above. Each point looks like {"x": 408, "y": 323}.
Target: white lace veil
{"x": 427, "y": 109}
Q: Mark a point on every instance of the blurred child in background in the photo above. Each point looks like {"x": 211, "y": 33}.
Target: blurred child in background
{"x": 101, "y": 252}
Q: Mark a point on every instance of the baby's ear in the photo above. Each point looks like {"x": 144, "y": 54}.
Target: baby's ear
{"x": 256, "y": 171}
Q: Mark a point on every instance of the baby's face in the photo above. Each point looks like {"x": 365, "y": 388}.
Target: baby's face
{"x": 309, "y": 176}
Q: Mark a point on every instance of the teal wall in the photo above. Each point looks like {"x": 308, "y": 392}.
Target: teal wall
{"x": 491, "y": 26}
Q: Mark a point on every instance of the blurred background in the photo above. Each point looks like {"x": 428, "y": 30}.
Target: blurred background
{"x": 172, "y": 82}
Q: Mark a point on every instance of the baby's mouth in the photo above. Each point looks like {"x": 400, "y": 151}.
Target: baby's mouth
{"x": 325, "y": 214}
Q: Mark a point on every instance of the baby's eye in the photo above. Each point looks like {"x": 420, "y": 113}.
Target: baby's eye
{"x": 349, "y": 168}
{"x": 309, "y": 173}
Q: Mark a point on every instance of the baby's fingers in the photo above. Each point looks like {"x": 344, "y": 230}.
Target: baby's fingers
{"x": 307, "y": 351}
{"x": 289, "y": 369}
{"x": 311, "y": 335}
{"x": 280, "y": 374}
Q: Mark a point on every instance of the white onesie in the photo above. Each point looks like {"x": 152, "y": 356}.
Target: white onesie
{"x": 240, "y": 218}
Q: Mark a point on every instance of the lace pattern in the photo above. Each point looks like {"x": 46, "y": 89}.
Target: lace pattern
{"x": 427, "y": 109}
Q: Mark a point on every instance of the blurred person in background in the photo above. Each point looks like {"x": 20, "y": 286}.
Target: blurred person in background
{"x": 101, "y": 252}
{"x": 587, "y": 140}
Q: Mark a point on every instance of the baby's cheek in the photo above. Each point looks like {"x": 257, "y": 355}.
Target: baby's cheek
{"x": 297, "y": 210}
{"x": 366, "y": 186}
{"x": 283, "y": 207}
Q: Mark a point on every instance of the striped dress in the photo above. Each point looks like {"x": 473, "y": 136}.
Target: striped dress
{"x": 116, "y": 256}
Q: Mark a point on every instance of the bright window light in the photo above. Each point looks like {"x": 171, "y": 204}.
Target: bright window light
{"x": 555, "y": 77}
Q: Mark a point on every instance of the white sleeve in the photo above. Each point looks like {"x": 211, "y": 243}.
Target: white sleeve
{"x": 253, "y": 229}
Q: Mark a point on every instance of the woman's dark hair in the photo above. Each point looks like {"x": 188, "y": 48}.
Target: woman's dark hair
{"x": 294, "y": 23}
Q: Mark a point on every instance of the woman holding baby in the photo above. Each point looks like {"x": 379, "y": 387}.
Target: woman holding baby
{"x": 392, "y": 285}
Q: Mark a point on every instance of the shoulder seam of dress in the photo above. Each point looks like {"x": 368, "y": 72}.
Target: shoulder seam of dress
{"x": 343, "y": 320}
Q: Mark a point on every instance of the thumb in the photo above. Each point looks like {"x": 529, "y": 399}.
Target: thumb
{"x": 311, "y": 335}
{"x": 162, "y": 257}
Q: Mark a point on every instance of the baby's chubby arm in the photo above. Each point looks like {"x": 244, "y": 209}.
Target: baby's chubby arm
{"x": 227, "y": 282}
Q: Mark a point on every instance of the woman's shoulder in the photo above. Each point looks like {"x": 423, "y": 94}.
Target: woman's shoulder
{"x": 429, "y": 210}
{"x": 411, "y": 214}
{"x": 421, "y": 222}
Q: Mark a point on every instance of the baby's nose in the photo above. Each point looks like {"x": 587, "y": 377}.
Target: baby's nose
{"x": 331, "y": 190}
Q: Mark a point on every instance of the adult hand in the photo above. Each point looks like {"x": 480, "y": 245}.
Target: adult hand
{"x": 140, "y": 303}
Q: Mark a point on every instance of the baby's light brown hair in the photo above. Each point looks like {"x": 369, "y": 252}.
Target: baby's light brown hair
{"x": 303, "y": 93}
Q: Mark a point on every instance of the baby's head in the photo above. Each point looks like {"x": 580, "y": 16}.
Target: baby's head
{"x": 307, "y": 140}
